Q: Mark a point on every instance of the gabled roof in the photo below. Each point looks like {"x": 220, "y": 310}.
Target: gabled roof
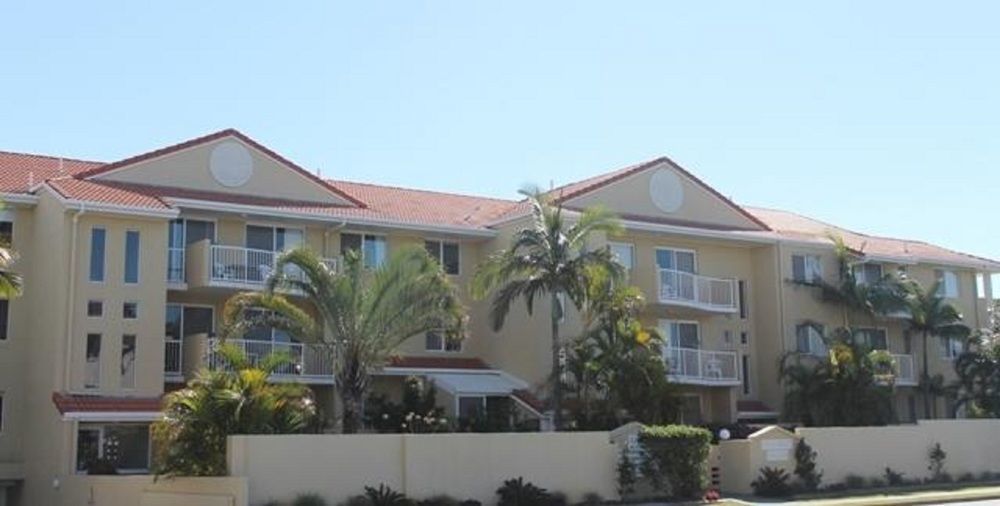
{"x": 20, "y": 172}
{"x": 229, "y": 132}
{"x": 572, "y": 190}
{"x": 795, "y": 226}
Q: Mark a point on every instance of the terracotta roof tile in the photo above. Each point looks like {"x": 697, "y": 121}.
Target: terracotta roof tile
{"x": 19, "y": 172}
{"x": 72, "y": 403}
{"x": 439, "y": 363}
{"x": 107, "y": 193}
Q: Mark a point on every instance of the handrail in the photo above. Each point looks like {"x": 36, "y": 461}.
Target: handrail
{"x": 696, "y": 290}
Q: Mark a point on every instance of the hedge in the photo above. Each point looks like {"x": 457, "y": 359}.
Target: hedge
{"x": 680, "y": 456}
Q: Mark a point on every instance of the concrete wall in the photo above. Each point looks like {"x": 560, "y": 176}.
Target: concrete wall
{"x": 971, "y": 445}
{"x": 145, "y": 491}
{"x": 461, "y": 465}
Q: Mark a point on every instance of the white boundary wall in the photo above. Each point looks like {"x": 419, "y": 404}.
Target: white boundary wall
{"x": 465, "y": 466}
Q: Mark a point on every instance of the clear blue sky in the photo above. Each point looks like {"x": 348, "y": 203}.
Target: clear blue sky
{"x": 879, "y": 116}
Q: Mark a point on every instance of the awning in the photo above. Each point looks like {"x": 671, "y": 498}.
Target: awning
{"x": 96, "y": 408}
{"x": 474, "y": 384}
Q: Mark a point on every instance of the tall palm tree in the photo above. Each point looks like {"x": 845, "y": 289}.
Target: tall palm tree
{"x": 235, "y": 399}
{"x": 870, "y": 298}
{"x": 550, "y": 257}
{"x": 929, "y": 314}
{"x": 361, "y": 315}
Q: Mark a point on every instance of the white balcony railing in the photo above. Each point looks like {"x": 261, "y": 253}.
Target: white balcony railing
{"x": 694, "y": 365}
{"x": 175, "y": 265}
{"x": 308, "y": 360}
{"x": 248, "y": 266}
{"x": 693, "y": 290}
{"x": 905, "y": 370}
{"x": 172, "y": 358}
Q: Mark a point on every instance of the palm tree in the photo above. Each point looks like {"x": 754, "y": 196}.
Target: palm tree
{"x": 549, "y": 257}
{"x": 361, "y": 315}
{"x": 234, "y": 399}
{"x": 870, "y": 298}
{"x": 929, "y": 314}
{"x": 10, "y": 282}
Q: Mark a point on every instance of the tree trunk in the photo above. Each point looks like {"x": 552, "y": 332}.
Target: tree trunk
{"x": 557, "y": 386}
{"x": 925, "y": 380}
{"x": 350, "y": 416}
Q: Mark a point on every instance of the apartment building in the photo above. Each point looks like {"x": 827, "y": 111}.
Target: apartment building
{"x": 129, "y": 263}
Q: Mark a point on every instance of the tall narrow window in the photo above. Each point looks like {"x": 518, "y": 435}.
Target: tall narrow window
{"x": 745, "y": 370}
{"x": 947, "y": 284}
{"x": 92, "y": 368}
{"x": 741, "y": 288}
{"x": 6, "y": 233}
{"x": 446, "y": 253}
{"x": 1, "y": 412}
{"x": 132, "y": 256}
{"x": 128, "y": 361}
{"x": 97, "y": 238}
{"x": 681, "y": 334}
{"x": 4, "y": 316}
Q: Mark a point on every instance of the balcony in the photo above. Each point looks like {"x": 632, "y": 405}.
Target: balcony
{"x": 695, "y": 366}
{"x": 904, "y": 369}
{"x": 309, "y": 362}
{"x": 173, "y": 360}
{"x": 681, "y": 288}
{"x": 215, "y": 265}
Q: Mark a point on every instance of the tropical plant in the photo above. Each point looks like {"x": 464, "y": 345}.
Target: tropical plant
{"x": 309, "y": 499}
{"x": 679, "y": 458}
{"x": 625, "y": 475}
{"x": 418, "y": 412}
{"x": 930, "y": 315}
{"x": 850, "y": 386}
{"x": 978, "y": 385}
{"x": 361, "y": 317}
{"x": 870, "y": 298}
{"x": 805, "y": 466}
{"x": 771, "y": 482}
{"x": 616, "y": 367}
{"x": 517, "y": 492}
{"x": 892, "y": 477}
{"x": 234, "y": 399}
{"x": 385, "y": 496}
{"x": 11, "y": 282}
{"x": 550, "y": 257}
{"x": 935, "y": 462}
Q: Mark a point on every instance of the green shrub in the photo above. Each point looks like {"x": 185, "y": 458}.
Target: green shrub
{"x": 876, "y": 483}
{"x": 273, "y": 502}
{"x": 935, "y": 462}
{"x": 385, "y": 496}
{"x": 517, "y": 492}
{"x": 438, "y": 500}
{"x": 965, "y": 477}
{"x": 558, "y": 499}
{"x": 625, "y": 475}
{"x": 356, "y": 500}
{"x": 893, "y": 478}
{"x": 679, "y": 456}
{"x": 853, "y": 481}
{"x": 805, "y": 466}
{"x": 309, "y": 500}
{"x": 592, "y": 499}
{"x": 772, "y": 482}
{"x": 470, "y": 502}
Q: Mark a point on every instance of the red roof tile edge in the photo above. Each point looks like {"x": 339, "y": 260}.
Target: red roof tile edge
{"x": 439, "y": 363}
{"x": 75, "y": 403}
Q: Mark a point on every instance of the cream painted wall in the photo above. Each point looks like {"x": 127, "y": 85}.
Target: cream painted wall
{"x": 189, "y": 168}
{"x": 631, "y": 196}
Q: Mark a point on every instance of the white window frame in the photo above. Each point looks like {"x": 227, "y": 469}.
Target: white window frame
{"x": 361, "y": 251}
{"x": 183, "y": 248}
{"x": 884, "y": 330}
{"x": 440, "y": 252}
{"x": 861, "y": 276}
{"x": 274, "y": 233}
{"x": 631, "y": 252}
{"x": 444, "y": 344}
{"x": 101, "y": 430}
{"x": 664, "y": 326}
{"x": 953, "y": 349}
{"x": 694, "y": 257}
{"x": 815, "y": 339}
{"x": 946, "y": 289}
{"x": 812, "y": 267}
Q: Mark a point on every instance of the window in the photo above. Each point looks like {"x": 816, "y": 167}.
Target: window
{"x": 128, "y": 361}
{"x": 92, "y": 369}
{"x": 1, "y": 412}
{"x": 980, "y": 285}
{"x": 809, "y": 339}
{"x": 446, "y": 253}
{"x": 624, "y": 253}
{"x": 373, "y": 248}
{"x": 435, "y": 340}
{"x": 807, "y": 268}
{"x": 744, "y": 337}
{"x": 131, "y": 440}
{"x": 741, "y": 292}
{"x": 182, "y": 233}
{"x": 951, "y": 347}
{"x": 691, "y": 409}
{"x": 130, "y": 310}
{"x": 681, "y": 334}
{"x": 97, "y": 238}
{"x": 471, "y": 407}
{"x": 676, "y": 260}
{"x": 745, "y": 370}
{"x": 947, "y": 284}
{"x": 95, "y": 308}
{"x": 132, "y": 256}
{"x": 6, "y": 233}
{"x": 867, "y": 273}
{"x": 4, "y": 317}
{"x": 876, "y": 339}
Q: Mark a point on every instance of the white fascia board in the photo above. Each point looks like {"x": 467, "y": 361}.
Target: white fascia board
{"x": 112, "y": 416}
{"x": 19, "y": 198}
{"x": 225, "y": 207}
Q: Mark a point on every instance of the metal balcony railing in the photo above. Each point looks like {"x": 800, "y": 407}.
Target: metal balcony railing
{"x": 693, "y": 290}
{"x": 694, "y": 365}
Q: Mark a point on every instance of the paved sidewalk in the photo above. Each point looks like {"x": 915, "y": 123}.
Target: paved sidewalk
{"x": 971, "y": 493}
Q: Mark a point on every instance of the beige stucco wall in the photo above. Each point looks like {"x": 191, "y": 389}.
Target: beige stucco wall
{"x": 145, "y": 491}
{"x": 631, "y": 196}
{"x": 189, "y": 168}
{"x": 474, "y": 466}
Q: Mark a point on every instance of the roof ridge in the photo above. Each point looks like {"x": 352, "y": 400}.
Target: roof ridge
{"x": 436, "y": 192}
{"x": 609, "y": 177}
{"x": 50, "y": 157}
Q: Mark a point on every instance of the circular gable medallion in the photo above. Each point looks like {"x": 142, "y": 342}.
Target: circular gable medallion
{"x": 666, "y": 190}
{"x": 231, "y": 164}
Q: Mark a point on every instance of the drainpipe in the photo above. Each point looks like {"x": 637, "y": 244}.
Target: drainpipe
{"x": 71, "y": 297}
